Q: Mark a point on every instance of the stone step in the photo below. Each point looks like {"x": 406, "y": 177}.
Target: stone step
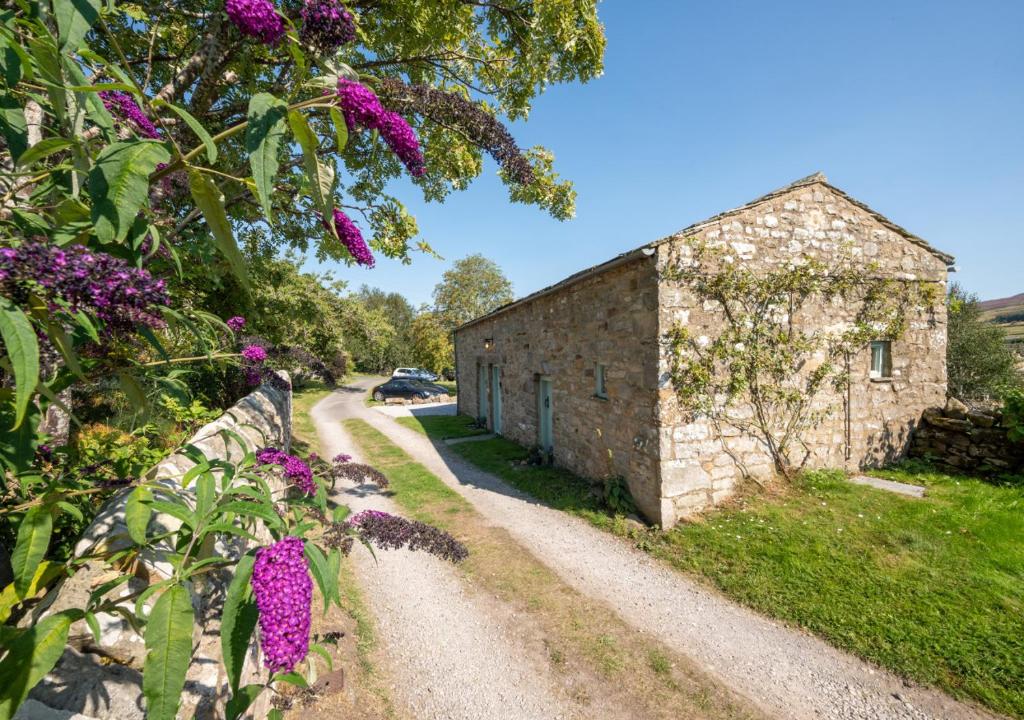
{"x": 889, "y": 485}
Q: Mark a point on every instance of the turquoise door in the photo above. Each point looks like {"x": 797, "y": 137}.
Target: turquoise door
{"x": 544, "y": 415}
{"x": 496, "y": 399}
{"x": 481, "y": 392}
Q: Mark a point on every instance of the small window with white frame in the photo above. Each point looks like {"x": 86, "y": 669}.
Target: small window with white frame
{"x": 600, "y": 389}
{"x": 881, "y": 360}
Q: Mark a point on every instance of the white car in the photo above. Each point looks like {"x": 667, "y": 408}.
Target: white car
{"x": 414, "y": 373}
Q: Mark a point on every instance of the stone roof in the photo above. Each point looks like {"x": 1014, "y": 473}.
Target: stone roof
{"x": 648, "y": 249}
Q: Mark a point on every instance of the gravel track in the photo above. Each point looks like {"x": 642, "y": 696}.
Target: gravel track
{"x": 788, "y": 673}
{"x": 450, "y": 654}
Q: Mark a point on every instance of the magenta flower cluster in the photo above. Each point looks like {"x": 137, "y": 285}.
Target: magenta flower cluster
{"x": 254, "y": 354}
{"x": 362, "y": 108}
{"x": 256, "y": 18}
{"x": 326, "y": 24}
{"x": 123, "y": 106}
{"x": 236, "y": 323}
{"x": 284, "y": 598}
{"x": 75, "y": 278}
{"x": 352, "y": 239}
{"x": 295, "y": 470}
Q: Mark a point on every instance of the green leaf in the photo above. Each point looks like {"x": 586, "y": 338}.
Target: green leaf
{"x": 31, "y": 655}
{"x": 13, "y": 126}
{"x": 74, "y": 18}
{"x": 241, "y": 700}
{"x": 238, "y": 621}
{"x": 251, "y": 509}
{"x": 94, "y": 626}
{"x": 42, "y": 149}
{"x": 33, "y": 539}
{"x": 318, "y": 567}
{"x": 119, "y": 185}
{"x": 340, "y": 127}
{"x": 196, "y": 127}
{"x": 10, "y": 597}
{"x": 168, "y": 653}
{"x": 211, "y": 203}
{"x": 23, "y": 351}
{"x": 137, "y": 512}
{"x": 262, "y": 141}
{"x": 320, "y": 181}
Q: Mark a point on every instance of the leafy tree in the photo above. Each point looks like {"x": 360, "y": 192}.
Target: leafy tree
{"x": 432, "y": 347}
{"x": 398, "y": 313}
{"x": 979, "y": 363}
{"x": 474, "y": 286}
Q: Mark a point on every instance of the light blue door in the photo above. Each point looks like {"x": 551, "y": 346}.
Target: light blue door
{"x": 496, "y": 399}
{"x": 545, "y": 416}
{"x": 481, "y": 392}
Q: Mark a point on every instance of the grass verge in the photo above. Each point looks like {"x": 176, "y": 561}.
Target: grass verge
{"x": 442, "y": 427}
{"x": 932, "y": 589}
{"x": 599, "y": 660}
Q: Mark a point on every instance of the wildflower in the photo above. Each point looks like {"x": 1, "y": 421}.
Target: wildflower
{"x": 326, "y": 24}
{"x": 352, "y": 239}
{"x": 256, "y": 18}
{"x": 357, "y": 473}
{"x": 362, "y": 108}
{"x": 124, "y": 108}
{"x": 284, "y": 597}
{"x": 341, "y": 458}
{"x": 390, "y": 532}
{"x": 236, "y": 323}
{"x": 294, "y": 469}
{"x": 254, "y": 354}
{"x": 73, "y": 279}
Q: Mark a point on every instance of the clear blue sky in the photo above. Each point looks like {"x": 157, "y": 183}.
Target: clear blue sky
{"x": 915, "y": 107}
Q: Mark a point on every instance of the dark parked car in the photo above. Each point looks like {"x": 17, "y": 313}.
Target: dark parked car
{"x": 406, "y": 388}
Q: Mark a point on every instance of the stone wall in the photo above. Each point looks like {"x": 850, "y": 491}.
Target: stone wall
{"x": 869, "y": 426}
{"x": 609, "y": 318}
{"x": 103, "y": 680}
{"x": 967, "y": 440}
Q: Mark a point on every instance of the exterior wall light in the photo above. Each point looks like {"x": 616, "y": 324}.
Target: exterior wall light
{"x": 488, "y": 343}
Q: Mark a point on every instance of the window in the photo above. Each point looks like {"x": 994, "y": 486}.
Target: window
{"x": 881, "y": 360}
{"x": 599, "y": 387}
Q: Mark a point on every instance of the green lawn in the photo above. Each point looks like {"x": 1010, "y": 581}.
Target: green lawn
{"x": 932, "y": 589}
{"x": 442, "y": 427}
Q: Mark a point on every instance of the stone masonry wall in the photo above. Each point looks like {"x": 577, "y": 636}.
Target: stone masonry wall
{"x": 609, "y": 318}
{"x": 868, "y": 428}
{"x": 967, "y": 440}
{"x": 103, "y": 680}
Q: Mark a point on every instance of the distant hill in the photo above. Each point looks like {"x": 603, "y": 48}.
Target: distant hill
{"x": 1008, "y": 313}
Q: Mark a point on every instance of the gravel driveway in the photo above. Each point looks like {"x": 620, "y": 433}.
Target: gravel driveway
{"x": 451, "y": 654}
{"x": 788, "y": 673}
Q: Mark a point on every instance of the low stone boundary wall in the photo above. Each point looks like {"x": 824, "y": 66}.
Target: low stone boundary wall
{"x": 967, "y": 439}
{"x": 103, "y": 681}
{"x": 419, "y": 401}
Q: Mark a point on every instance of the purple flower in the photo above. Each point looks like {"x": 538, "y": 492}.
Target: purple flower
{"x": 73, "y": 278}
{"x": 352, "y": 239}
{"x": 341, "y": 458}
{"x": 295, "y": 469}
{"x": 362, "y": 108}
{"x": 284, "y": 598}
{"x": 254, "y": 354}
{"x": 390, "y": 532}
{"x": 123, "y": 106}
{"x": 253, "y": 376}
{"x": 236, "y": 323}
{"x": 326, "y": 24}
{"x": 256, "y": 18}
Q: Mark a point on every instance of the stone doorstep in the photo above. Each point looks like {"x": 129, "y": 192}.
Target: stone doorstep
{"x": 892, "y": 486}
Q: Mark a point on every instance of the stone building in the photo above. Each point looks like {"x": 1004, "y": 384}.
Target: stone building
{"x": 581, "y": 368}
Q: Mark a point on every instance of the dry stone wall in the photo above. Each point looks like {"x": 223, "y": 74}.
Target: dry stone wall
{"x": 608, "y": 319}
{"x": 967, "y": 440}
{"x": 103, "y": 681}
{"x": 869, "y": 425}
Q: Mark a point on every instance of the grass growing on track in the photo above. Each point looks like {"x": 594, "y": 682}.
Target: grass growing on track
{"x": 600, "y": 660}
{"x": 930, "y": 588}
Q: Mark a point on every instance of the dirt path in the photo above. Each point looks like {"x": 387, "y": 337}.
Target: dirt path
{"x": 788, "y": 673}
{"x": 459, "y": 648}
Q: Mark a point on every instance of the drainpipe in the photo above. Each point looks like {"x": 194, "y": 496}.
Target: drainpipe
{"x": 458, "y": 395}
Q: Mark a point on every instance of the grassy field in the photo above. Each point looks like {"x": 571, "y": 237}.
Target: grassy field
{"x": 932, "y": 589}
{"x": 442, "y": 427}
{"x": 1007, "y": 314}
{"x": 603, "y": 661}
